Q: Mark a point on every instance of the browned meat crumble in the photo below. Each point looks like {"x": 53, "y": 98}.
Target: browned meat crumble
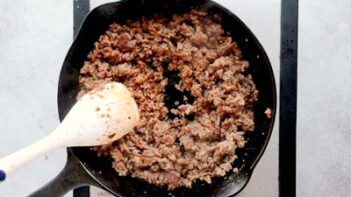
{"x": 268, "y": 113}
{"x": 196, "y": 138}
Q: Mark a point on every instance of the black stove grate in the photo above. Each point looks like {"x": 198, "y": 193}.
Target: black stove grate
{"x": 80, "y": 10}
{"x": 288, "y": 97}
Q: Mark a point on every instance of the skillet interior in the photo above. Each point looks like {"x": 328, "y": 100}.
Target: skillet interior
{"x": 96, "y": 23}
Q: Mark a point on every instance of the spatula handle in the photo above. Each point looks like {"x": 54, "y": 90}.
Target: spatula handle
{"x": 20, "y": 158}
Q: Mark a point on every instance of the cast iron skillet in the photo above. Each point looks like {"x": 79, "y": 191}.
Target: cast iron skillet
{"x": 85, "y": 168}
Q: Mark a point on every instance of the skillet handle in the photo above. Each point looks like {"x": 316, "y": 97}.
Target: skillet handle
{"x": 72, "y": 176}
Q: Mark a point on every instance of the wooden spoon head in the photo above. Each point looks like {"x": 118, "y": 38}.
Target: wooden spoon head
{"x": 100, "y": 117}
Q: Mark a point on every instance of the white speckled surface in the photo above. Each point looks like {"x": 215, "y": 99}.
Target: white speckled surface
{"x": 324, "y": 99}
{"x": 34, "y": 38}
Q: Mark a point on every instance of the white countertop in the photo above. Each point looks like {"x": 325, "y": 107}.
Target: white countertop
{"x": 324, "y": 99}
{"x": 34, "y": 39}
{"x": 35, "y": 36}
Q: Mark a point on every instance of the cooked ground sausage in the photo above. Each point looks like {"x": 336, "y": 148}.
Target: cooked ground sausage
{"x": 191, "y": 134}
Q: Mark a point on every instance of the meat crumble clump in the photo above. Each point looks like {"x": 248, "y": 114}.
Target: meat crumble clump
{"x": 188, "y": 135}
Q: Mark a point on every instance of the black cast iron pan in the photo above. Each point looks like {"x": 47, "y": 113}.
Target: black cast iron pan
{"x": 85, "y": 168}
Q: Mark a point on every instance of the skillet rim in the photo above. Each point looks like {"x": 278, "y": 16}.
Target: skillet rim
{"x": 272, "y": 83}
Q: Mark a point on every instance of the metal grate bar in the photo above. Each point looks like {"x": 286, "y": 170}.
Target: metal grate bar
{"x": 288, "y": 97}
